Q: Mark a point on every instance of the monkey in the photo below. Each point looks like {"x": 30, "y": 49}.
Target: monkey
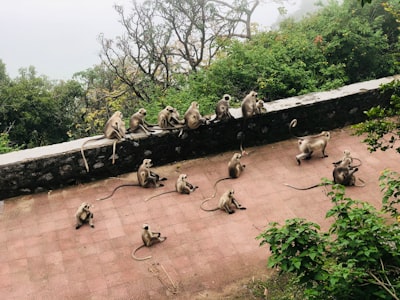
{"x": 84, "y": 215}
{"x": 222, "y": 109}
{"x": 114, "y": 129}
{"x": 138, "y": 121}
{"x": 182, "y": 186}
{"x": 249, "y": 105}
{"x": 260, "y": 109}
{"x": 342, "y": 174}
{"x": 146, "y": 178}
{"x": 168, "y": 118}
{"x": 235, "y": 169}
{"x": 193, "y": 118}
{"x": 348, "y": 159}
{"x": 249, "y": 109}
{"x": 149, "y": 238}
{"x": 226, "y": 202}
{"x": 309, "y": 144}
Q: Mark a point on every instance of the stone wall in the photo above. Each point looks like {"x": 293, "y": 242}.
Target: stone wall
{"x": 56, "y": 166}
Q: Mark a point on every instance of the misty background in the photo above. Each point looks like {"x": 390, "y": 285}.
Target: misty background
{"x": 59, "y": 37}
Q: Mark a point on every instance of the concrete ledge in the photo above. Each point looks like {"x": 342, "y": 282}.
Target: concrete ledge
{"x": 56, "y": 166}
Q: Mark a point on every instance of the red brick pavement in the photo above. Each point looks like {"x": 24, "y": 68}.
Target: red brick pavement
{"x": 42, "y": 256}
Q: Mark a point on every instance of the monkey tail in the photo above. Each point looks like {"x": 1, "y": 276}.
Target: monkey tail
{"x": 83, "y": 152}
{"x": 293, "y": 124}
{"x": 169, "y": 192}
{"x": 306, "y": 188}
{"x": 139, "y": 258}
{"x": 205, "y": 209}
{"x": 362, "y": 183}
{"x": 359, "y": 162}
{"x": 120, "y": 186}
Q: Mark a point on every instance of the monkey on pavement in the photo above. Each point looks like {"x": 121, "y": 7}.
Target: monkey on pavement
{"x": 235, "y": 169}
{"x": 226, "y": 202}
{"x": 311, "y": 143}
{"x": 84, "y": 215}
{"x": 138, "y": 121}
{"x": 149, "y": 238}
{"x": 342, "y": 174}
{"x": 222, "y": 109}
{"x": 146, "y": 178}
{"x": 182, "y": 186}
{"x": 114, "y": 129}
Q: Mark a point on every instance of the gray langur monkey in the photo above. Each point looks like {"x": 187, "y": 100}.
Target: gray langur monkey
{"x": 311, "y": 143}
{"x": 84, "y": 215}
{"x": 343, "y": 174}
{"x": 222, "y": 109}
{"x": 146, "y": 178}
{"x": 235, "y": 169}
{"x": 249, "y": 104}
{"x": 260, "y": 109}
{"x": 193, "y": 118}
{"x": 138, "y": 122}
{"x": 249, "y": 109}
{"x": 182, "y": 186}
{"x": 113, "y": 129}
{"x": 348, "y": 160}
{"x": 168, "y": 118}
{"x": 149, "y": 238}
{"x": 226, "y": 202}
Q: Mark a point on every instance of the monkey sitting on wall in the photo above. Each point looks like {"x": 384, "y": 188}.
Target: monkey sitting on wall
{"x": 149, "y": 238}
{"x": 226, "y": 202}
{"x": 311, "y": 143}
{"x": 222, "y": 109}
{"x": 182, "y": 186}
{"x": 114, "y": 129}
{"x": 84, "y": 215}
{"x": 138, "y": 122}
{"x": 168, "y": 118}
{"x": 193, "y": 118}
{"x": 146, "y": 178}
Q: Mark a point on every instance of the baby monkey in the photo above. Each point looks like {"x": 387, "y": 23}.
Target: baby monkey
{"x": 84, "y": 215}
{"x": 149, "y": 238}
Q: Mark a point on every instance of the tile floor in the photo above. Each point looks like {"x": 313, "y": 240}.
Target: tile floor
{"x": 42, "y": 256}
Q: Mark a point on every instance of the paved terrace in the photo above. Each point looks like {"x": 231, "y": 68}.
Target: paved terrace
{"x": 42, "y": 256}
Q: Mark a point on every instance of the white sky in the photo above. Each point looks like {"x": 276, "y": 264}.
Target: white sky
{"x": 59, "y": 37}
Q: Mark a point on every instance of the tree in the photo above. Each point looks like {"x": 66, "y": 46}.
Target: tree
{"x": 357, "y": 258}
{"x": 28, "y": 112}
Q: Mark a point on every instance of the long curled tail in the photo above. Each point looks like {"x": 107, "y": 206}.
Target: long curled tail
{"x": 293, "y": 124}
{"x": 139, "y": 258}
{"x": 306, "y": 188}
{"x": 112, "y": 193}
{"x": 169, "y": 192}
{"x": 205, "y": 209}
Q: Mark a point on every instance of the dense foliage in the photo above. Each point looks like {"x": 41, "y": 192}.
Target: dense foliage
{"x": 338, "y": 45}
{"x": 358, "y": 258}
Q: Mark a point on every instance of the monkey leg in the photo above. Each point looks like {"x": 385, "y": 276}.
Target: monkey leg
{"x": 79, "y": 223}
{"x": 90, "y": 221}
{"x": 237, "y": 204}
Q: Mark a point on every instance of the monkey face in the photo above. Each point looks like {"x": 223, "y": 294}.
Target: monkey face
{"x": 227, "y": 97}
{"x": 142, "y": 111}
{"x": 231, "y": 193}
{"x": 182, "y": 176}
{"x": 147, "y": 163}
{"x": 145, "y": 226}
{"x": 169, "y": 109}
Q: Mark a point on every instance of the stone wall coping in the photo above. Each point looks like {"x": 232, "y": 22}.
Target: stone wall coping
{"x": 276, "y": 105}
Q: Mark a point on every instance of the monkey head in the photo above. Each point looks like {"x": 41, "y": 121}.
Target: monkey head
{"x": 147, "y": 163}
{"x": 146, "y": 226}
{"x": 182, "y": 177}
{"x": 142, "y": 111}
{"x": 226, "y": 97}
{"x": 231, "y": 193}
{"x": 169, "y": 109}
